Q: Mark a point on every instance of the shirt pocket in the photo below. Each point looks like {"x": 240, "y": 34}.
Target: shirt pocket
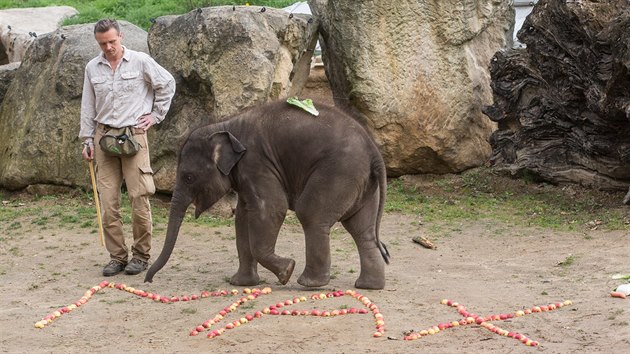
{"x": 101, "y": 85}
{"x": 131, "y": 81}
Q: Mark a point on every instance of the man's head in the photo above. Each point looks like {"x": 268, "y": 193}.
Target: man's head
{"x": 108, "y": 36}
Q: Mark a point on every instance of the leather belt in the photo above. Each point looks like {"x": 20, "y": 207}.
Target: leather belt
{"x": 134, "y": 131}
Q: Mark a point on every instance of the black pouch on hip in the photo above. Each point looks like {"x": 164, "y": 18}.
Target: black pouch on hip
{"x": 119, "y": 142}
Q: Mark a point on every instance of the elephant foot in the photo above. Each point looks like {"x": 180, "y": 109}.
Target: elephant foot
{"x": 373, "y": 283}
{"x": 245, "y": 279}
{"x": 313, "y": 282}
{"x": 284, "y": 276}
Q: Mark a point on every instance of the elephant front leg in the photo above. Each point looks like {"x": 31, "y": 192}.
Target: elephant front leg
{"x": 247, "y": 274}
{"x": 266, "y": 226}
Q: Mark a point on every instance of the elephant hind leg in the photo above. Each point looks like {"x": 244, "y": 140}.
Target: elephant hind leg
{"x": 318, "y": 209}
{"x": 317, "y": 269}
{"x": 362, "y": 227}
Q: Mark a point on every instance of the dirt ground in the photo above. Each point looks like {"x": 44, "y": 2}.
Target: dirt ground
{"x": 488, "y": 266}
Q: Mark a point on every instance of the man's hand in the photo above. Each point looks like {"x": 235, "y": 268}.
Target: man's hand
{"x": 88, "y": 151}
{"x": 145, "y": 122}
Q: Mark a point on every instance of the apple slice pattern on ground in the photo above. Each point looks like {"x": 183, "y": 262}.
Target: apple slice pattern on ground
{"x": 484, "y": 321}
{"x": 280, "y": 308}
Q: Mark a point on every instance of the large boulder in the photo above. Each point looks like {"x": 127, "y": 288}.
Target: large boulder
{"x": 224, "y": 59}
{"x": 39, "y": 117}
{"x": 416, "y": 72}
{"x": 562, "y": 104}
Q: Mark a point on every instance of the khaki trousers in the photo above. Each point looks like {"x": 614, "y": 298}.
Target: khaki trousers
{"x": 138, "y": 177}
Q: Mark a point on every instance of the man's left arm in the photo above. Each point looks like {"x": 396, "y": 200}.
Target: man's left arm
{"x": 163, "y": 85}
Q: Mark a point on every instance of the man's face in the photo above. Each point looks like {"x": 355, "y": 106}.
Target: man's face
{"x": 110, "y": 43}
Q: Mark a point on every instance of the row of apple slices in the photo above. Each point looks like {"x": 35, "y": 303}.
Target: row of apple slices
{"x": 275, "y": 310}
{"x": 483, "y": 321}
{"x": 48, "y": 319}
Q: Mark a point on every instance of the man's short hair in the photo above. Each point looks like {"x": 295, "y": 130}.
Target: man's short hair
{"x": 105, "y": 25}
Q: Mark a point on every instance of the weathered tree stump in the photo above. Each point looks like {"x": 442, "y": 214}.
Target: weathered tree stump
{"x": 562, "y": 104}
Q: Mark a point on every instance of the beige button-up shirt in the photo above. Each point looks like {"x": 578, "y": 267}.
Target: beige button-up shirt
{"x": 118, "y": 98}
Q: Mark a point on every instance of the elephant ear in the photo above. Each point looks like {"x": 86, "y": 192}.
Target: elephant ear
{"x": 227, "y": 151}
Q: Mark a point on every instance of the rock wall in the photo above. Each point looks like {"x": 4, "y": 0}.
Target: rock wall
{"x": 562, "y": 104}
{"x": 416, "y": 72}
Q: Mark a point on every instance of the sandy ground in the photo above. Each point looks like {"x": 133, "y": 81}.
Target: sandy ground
{"x": 489, "y": 267}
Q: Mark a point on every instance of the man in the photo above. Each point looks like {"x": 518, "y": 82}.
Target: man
{"x": 123, "y": 88}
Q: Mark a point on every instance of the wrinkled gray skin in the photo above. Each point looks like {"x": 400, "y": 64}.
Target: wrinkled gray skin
{"x": 279, "y": 157}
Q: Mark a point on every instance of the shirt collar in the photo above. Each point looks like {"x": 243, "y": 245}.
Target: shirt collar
{"x": 126, "y": 56}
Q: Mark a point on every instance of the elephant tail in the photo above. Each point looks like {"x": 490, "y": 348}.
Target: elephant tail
{"x": 384, "y": 251}
{"x": 379, "y": 173}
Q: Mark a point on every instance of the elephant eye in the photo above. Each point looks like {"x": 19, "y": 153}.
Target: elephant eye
{"x": 188, "y": 178}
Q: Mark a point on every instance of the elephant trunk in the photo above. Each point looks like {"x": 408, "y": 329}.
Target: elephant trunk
{"x": 176, "y": 216}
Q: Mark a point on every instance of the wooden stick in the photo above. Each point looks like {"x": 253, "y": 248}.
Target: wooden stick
{"x": 98, "y": 204}
{"x": 424, "y": 242}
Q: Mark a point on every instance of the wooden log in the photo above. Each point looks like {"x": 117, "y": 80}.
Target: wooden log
{"x": 562, "y": 103}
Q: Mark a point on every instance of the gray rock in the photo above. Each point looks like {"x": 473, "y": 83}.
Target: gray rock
{"x": 50, "y": 189}
{"x": 224, "y": 61}
{"x": 39, "y": 117}
{"x": 417, "y": 73}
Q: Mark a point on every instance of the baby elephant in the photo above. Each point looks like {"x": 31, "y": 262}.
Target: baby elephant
{"x": 277, "y": 157}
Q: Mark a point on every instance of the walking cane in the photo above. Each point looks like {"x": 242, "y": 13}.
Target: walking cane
{"x": 98, "y": 204}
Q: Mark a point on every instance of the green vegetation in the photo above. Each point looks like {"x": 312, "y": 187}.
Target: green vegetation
{"x": 138, "y": 12}
{"x": 480, "y": 194}
{"x": 34, "y": 214}
{"x": 567, "y": 261}
{"x": 207, "y": 220}
{"x": 444, "y": 204}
